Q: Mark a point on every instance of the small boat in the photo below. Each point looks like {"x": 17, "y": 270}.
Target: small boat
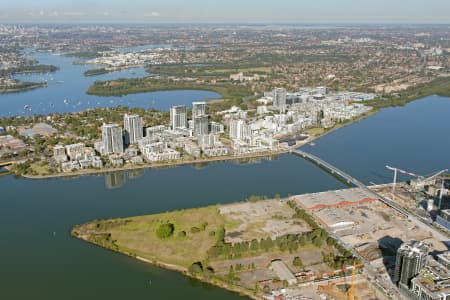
{"x": 26, "y": 106}
{"x": 66, "y": 101}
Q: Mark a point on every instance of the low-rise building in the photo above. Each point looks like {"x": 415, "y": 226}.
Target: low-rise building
{"x": 75, "y": 151}
{"x": 283, "y": 272}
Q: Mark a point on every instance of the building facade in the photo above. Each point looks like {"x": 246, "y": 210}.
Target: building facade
{"x": 133, "y": 129}
{"x": 200, "y": 125}
{"x": 198, "y": 109}
{"x": 112, "y": 140}
{"x": 411, "y": 259}
{"x": 178, "y": 117}
{"x": 279, "y": 99}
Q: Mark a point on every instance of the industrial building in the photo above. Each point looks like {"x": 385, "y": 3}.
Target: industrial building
{"x": 282, "y": 271}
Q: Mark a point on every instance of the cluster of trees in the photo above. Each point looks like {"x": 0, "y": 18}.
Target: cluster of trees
{"x": 19, "y": 86}
{"x": 289, "y": 242}
{"x": 337, "y": 261}
{"x": 302, "y": 214}
{"x": 28, "y": 69}
{"x": 197, "y": 269}
{"x": 439, "y": 86}
{"x": 123, "y": 86}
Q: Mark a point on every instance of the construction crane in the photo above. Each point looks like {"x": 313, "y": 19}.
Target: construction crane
{"x": 351, "y": 290}
{"x": 396, "y": 170}
{"x": 421, "y": 180}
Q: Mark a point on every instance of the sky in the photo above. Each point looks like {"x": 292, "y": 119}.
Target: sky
{"x": 252, "y": 11}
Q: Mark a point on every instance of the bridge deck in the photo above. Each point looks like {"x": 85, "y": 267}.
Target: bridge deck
{"x": 349, "y": 179}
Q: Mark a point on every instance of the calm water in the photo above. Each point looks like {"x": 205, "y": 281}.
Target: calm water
{"x": 69, "y": 83}
{"x": 414, "y": 138}
{"x": 39, "y": 260}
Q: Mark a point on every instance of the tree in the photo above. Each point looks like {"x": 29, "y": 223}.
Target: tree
{"x": 254, "y": 245}
{"x": 196, "y": 268}
{"x": 297, "y": 262}
{"x": 165, "y": 230}
{"x": 182, "y": 234}
{"x": 331, "y": 241}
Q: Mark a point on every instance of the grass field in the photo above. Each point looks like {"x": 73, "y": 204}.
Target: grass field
{"x": 137, "y": 235}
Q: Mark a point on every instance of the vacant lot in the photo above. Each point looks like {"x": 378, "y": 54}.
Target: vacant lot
{"x": 248, "y": 221}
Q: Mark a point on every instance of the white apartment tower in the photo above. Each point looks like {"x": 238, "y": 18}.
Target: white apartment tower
{"x": 238, "y": 129}
{"x": 133, "y": 129}
{"x": 200, "y": 125}
{"x": 198, "y": 109}
{"x": 112, "y": 140}
{"x": 178, "y": 117}
{"x": 279, "y": 99}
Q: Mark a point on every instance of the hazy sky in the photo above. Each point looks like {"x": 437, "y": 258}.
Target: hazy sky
{"x": 304, "y": 11}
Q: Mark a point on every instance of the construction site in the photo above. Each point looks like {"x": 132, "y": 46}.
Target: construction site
{"x": 365, "y": 224}
{"x": 424, "y": 195}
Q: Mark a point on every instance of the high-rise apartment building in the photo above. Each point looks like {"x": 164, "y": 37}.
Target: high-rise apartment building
{"x": 198, "y": 109}
{"x": 112, "y": 140}
{"x": 238, "y": 129}
{"x": 411, "y": 258}
{"x": 279, "y": 99}
{"x": 178, "y": 117}
{"x": 201, "y": 125}
{"x": 133, "y": 129}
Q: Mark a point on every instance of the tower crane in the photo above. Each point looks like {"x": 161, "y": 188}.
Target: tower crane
{"x": 396, "y": 170}
{"x": 421, "y": 180}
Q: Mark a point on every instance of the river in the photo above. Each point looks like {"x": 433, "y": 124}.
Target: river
{"x": 66, "y": 90}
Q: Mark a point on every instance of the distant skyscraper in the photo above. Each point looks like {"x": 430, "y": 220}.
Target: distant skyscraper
{"x": 279, "y": 99}
{"x": 198, "y": 109}
{"x": 411, "y": 258}
{"x": 200, "y": 125}
{"x": 133, "y": 129}
{"x": 178, "y": 117}
{"x": 112, "y": 140}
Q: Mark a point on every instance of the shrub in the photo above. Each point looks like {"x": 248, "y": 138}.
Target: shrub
{"x": 196, "y": 268}
{"x": 195, "y": 229}
{"x": 165, "y": 230}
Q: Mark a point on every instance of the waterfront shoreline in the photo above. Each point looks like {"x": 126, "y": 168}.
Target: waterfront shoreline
{"x": 175, "y": 268}
{"x": 299, "y": 144}
{"x": 162, "y": 165}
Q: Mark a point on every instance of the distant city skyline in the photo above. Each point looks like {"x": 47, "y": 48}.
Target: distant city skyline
{"x": 252, "y": 11}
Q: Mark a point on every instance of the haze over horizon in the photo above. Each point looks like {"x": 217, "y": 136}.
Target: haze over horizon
{"x": 251, "y": 11}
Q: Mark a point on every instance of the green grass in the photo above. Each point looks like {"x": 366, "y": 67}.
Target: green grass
{"x": 137, "y": 235}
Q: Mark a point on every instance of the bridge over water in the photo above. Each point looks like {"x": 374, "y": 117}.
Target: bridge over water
{"x": 337, "y": 172}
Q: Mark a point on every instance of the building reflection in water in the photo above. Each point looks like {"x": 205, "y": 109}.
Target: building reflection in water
{"x": 115, "y": 180}
{"x": 118, "y": 179}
